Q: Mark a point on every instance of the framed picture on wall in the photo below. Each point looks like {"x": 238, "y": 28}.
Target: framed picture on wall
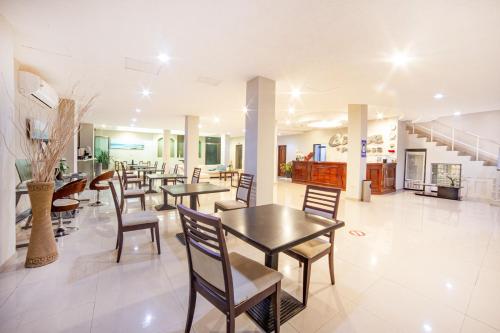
{"x": 159, "y": 149}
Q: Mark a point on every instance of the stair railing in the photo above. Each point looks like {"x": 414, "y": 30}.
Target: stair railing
{"x": 478, "y": 145}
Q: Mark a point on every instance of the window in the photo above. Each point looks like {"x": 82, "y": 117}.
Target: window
{"x": 180, "y": 146}
{"x": 212, "y": 150}
{"x": 319, "y": 152}
{"x": 172, "y": 147}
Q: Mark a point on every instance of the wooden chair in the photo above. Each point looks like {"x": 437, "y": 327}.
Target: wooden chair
{"x": 133, "y": 221}
{"x": 242, "y": 199}
{"x": 322, "y": 201}
{"x": 62, "y": 202}
{"x": 96, "y": 185}
{"x": 195, "y": 179}
{"x": 133, "y": 193}
{"x": 230, "y": 281}
{"x": 130, "y": 179}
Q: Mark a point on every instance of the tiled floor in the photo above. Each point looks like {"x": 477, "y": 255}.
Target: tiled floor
{"x": 425, "y": 265}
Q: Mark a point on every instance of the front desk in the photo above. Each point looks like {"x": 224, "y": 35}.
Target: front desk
{"x": 382, "y": 175}
{"x": 320, "y": 173}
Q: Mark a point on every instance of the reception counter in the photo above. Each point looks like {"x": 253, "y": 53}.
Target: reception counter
{"x": 382, "y": 175}
{"x": 320, "y": 173}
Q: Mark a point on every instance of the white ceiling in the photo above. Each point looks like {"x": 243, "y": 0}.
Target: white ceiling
{"x": 334, "y": 51}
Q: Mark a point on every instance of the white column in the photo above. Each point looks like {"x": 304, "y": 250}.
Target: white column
{"x": 260, "y": 136}
{"x": 225, "y": 144}
{"x": 356, "y": 164}
{"x": 166, "y": 149}
{"x": 191, "y": 137}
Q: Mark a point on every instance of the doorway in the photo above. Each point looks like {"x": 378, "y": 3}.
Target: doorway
{"x": 239, "y": 157}
{"x": 281, "y": 159}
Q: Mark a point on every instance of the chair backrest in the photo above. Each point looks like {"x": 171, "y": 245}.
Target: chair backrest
{"x": 244, "y": 188}
{"x": 196, "y": 176}
{"x": 176, "y": 168}
{"x": 122, "y": 192}
{"x": 102, "y": 177}
{"x": 323, "y": 201}
{"x": 118, "y": 204}
{"x": 163, "y": 167}
{"x": 70, "y": 188}
{"x": 156, "y": 164}
{"x": 207, "y": 252}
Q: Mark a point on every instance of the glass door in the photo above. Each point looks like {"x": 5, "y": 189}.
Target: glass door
{"x": 415, "y": 164}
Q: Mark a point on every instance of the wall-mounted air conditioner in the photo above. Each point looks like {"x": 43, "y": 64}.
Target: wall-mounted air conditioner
{"x": 32, "y": 85}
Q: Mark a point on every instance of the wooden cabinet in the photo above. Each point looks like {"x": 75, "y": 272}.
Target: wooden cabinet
{"x": 320, "y": 173}
{"x": 382, "y": 176}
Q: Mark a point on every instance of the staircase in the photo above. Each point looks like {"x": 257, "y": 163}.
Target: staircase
{"x": 478, "y": 156}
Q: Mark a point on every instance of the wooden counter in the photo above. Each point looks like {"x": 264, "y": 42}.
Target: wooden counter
{"x": 320, "y": 173}
{"x": 383, "y": 177}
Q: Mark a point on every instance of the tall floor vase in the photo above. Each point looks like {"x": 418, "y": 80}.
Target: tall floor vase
{"x": 42, "y": 249}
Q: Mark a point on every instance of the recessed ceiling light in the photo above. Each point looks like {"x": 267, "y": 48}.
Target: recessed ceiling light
{"x": 103, "y": 125}
{"x": 138, "y": 110}
{"x": 427, "y": 328}
{"x": 245, "y": 109}
{"x": 216, "y": 120}
{"x": 296, "y": 93}
{"x": 200, "y": 125}
{"x": 291, "y": 110}
{"x": 457, "y": 113}
{"x": 400, "y": 59}
{"x": 163, "y": 57}
{"x": 146, "y": 92}
{"x": 134, "y": 119}
{"x": 438, "y": 96}
{"x": 380, "y": 115}
{"x": 288, "y": 122}
{"x": 132, "y": 125}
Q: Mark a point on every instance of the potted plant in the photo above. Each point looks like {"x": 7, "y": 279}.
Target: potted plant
{"x": 102, "y": 161}
{"x": 286, "y": 169}
{"x": 60, "y": 125}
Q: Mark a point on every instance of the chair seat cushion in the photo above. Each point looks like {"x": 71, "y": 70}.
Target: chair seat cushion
{"x": 230, "y": 204}
{"x": 136, "y": 218}
{"x": 133, "y": 180}
{"x": 134, "y": 191}
{"x": 311, "y": 248}
{"x": 65, "y": 202}
{"x": 250, "y": 277}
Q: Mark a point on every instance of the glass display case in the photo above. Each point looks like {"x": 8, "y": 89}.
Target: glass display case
{"x": 446, "y": 174}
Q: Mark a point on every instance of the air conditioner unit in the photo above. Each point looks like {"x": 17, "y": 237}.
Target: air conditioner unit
{"x": 32, "y": 85}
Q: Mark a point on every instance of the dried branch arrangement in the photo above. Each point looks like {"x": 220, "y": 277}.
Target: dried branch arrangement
{"x": 45, "y": 134}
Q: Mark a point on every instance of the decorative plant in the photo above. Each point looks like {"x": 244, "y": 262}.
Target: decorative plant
{"x": 452, "y": 181}
{"x": 104, "y": 158}
{"x": 63, "y": 167}
{"x": 286, "y": 168}
{"x": 309, "y": 156}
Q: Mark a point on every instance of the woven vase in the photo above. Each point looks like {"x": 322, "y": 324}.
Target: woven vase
{"x": 42, "y": 249}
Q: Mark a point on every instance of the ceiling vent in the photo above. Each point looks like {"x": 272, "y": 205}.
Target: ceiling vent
{"x": 208, "y": 80}
{"x": 142, "y": 66}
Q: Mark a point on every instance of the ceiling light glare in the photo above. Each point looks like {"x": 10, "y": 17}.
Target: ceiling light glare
{"x": 245, "y": 109}
{"x": 457, "y": 113}
{"x": 400, "y": 59}
{"x": 291, "y": 110}
{"x": 146, "y": 92}
{"x": 216, "y": 120}
{"x": 200, "y": 125}
{"x": 380, "y": 115}
{"x": 288, "y": 122}
{"x": 296, "y": 93}
{"x": 103, "y": 125}
{"x": 138, "y": 110}
{"x": 164, "y": 58}
{"x": 438, "y": 96}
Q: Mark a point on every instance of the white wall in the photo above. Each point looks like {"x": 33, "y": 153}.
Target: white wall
{"x": 7, "y": 185}
{"x": 485, "y": 124}
{"x": 303, "y": 143}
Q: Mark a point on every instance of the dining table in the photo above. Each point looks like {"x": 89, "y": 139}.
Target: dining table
{"x": 165, "y": 177}
{"x": 273, "y": 229}
{"x": 191, "y": 190}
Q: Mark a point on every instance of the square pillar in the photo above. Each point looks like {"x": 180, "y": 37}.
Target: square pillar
{"x": 166, "y": 149}
{"x": 191, "y": 137}
{"x": 356, "y": 160}
{"x": 260, "y": 136}
{"x": 225, "y": 143}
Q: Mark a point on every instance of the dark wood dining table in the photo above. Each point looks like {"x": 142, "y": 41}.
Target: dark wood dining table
{"x": 274, "y": 229}
{"x": 191, "y": 190}
{"x": 165, "y": 177}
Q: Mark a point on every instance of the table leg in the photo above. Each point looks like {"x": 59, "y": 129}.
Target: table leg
{"x": 165, "y": 205}
{"x": 262, "y": 313}
{"x": 151, "y": 186}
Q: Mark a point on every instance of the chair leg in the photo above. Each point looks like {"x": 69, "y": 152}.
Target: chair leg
{"x": 152, "y": 235}
{"x": 120, "y": 247}
{"x": 330, "y": 262}
{"x": 198, "y": 200}
{"x": 306, "y": 279}
{"x": 230, "y": 325}
{"x": 276, "y": 298}
{"x": 157, "y": 230}
{"x": 117, "y": 240}
{"x": 143, "y": 202}
{"x": 192, "y": 305}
